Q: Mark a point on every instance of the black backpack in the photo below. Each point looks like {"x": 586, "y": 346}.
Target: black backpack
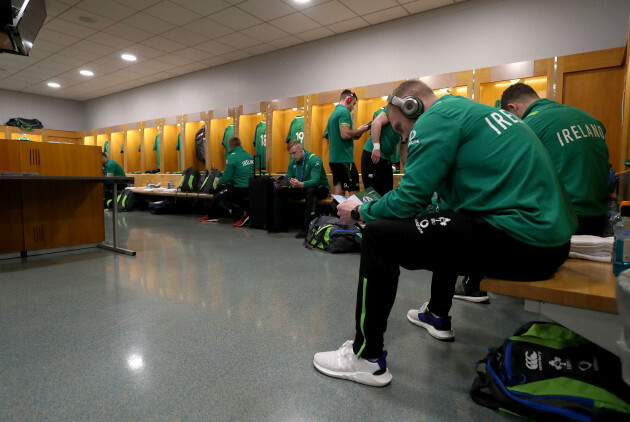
{"x": 331, "y": 235}
{"x": 200, "y": 144}
{"x": 546, "y": 372}
{"x": 190, "y": 180}
{"x": 206, "y": 180}
{"x": 25, "y": 124}
{"x": 124, "y": 202}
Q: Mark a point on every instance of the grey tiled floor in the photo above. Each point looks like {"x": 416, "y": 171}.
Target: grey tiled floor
{"x": 213, "y": 323}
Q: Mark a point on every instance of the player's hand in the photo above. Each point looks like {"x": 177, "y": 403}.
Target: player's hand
{"x": 376, "y": 155}
{"x": 295, "y": 183}
{"x": 343, "y": 211}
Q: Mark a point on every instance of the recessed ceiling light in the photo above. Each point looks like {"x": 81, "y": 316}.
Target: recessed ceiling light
{"x": 129, "y": 57}
{"x": 301, "y": 1}
{"x": 86, "y": 72}
{"x": 54, "y": 85}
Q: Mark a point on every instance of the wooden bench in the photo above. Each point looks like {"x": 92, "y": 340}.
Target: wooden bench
{"x": 581, "y": 296}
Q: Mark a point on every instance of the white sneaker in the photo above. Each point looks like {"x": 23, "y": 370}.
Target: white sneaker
{"x": 343, "y": 363}
{"x": 439, "y": 328}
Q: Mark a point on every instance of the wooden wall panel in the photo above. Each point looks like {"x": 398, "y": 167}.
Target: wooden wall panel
{"x": 11, "y": 233}
{"x": 600, "y": 93}
{"x": 60, "y": 214}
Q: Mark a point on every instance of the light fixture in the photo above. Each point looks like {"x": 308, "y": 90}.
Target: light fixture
{"x": 294, "y": 108}
{"x": 54, "y": 85}
{"x": 86, "y": 72}
{"x": 201, "y": 121}
{"x": 514, "y": 81}
{"x": 128, "y": 57}
{"x": 259, "y": 113}
{"x": 384, "y": 98}
{"x": 301, "y": 1}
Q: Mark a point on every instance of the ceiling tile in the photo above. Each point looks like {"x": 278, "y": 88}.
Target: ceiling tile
{"x": 55, "y": 8}
{"x": 203, "y": 7}
{"x": 94, "y": 47}
{"x": 148, "y": 23}
{"x": 266, "y": 9}
{"x": 194, "y": 53}
{"x": 302, "y": 6}
{"x": 138, "y": 4}
{"x": 235, "y": 18}
{"x": 349, "y": 25}
{"x": 73, "y": 61}
{"x": 260, "y": 49}
{"x": 110, "y": 40}
{"x": 163, "y": 44}
{"x": 238, "y": 40}
{"x": 69, "y": 28}
{"x": 143, "y": 52}
{"x": 174, "y": 60}
{"x": 315, "y": 34}
{"x": 237, "y": 55}
{"x": 330, "y": 12}
{"x": 108, "y": 8}
{"x": 264, "y": 32}
{"x": 184, "y": 37}
{"x": 363, "y": 7}
{"x": 286, "y": 42}
{"x": 424, "y": 5}
{"x": 386, "y": 15}
{"x": 214, "y": 61}
{"x": 85, "y": 18}
{"x": 215, "y": 48}
{"x": 57, "y": 37}
{"x": 171, "y": 12}
{"x": 208, "y": 28}
{"x": 128, "y": 32}
{"x": 295, "y": 23}
{"x": 83, "y": 54}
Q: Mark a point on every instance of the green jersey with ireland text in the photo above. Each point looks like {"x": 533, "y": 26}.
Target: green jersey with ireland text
{"x": 260, "y": 141}
{"x": 485, "y": 162}
{"x": 239, "y": 167}
{"x": 577, "y": 145}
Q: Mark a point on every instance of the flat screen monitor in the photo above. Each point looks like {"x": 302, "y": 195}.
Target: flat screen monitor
{"x": 28, "y": 18}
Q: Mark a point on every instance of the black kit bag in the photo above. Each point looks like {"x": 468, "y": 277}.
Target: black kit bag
{"x": 125, "y": 201}
{"x": 330, "y": 234}
{"x": 161, "y": 207}
{"x": 200, "y": 144}
{"x": 25, "y": 124}
{"x": 546, "y": 372}
{"x": 190, "y": 180}
{"x": 206, "y": 180}
{"x": 261, "y": 206}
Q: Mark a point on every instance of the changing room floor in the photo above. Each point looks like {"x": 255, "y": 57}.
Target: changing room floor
{"x": 214, "y": 323}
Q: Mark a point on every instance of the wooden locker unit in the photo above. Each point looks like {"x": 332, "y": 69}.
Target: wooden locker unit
{"x": 248, "y": 119}
{"x": 282, "y": 114}
{"x": 190, "y": 153}
{"x": 490, "y": 82}
{"x": 217, "y": 151}
{"x": 322, "y": 106}
{"x": 170, "y": 154}
{"x": 16, "y": 132}
{"x": 116, "y": 143}
{"x": 11, "y": 203}
{"x": 149, "y": 154}
{"x": 132, "y": 155}
{"x": 595, "y": 83}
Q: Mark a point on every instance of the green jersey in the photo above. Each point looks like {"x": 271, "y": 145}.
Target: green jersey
{"x": 389, "y": 139}
{"x": 296, "y": 130}
{"x": 227, "y": 134}
{"x": 485, "y": 162}
{"x": 310, "y": 170}
{"x": 341, "y": 150}
{"x": 260, "y": 142}
{"x": 112, "y": 167}
{"x": 239, "y": 167}
{"x": 577, "y": 145}
{"x": 156, "y": 147}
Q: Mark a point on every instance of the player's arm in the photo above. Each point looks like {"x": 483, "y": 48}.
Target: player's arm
{"x": 347, "y": 133}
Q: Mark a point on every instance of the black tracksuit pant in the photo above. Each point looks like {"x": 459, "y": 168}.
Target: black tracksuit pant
{"x": 228, "y": 198}
{"x": 311, "y": 195}
{"x": 448, "y": 244}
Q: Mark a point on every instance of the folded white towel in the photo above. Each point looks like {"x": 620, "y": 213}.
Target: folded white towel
{"x": 606, "y": 258}
{"x": 586, "y": 241}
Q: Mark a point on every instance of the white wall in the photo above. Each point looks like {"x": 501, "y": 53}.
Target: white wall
{"x": 473, "y": 34}
{"x": 54, "y": 113}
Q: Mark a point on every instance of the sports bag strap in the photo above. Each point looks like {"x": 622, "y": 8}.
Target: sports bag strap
{"x": 479, "y": 391}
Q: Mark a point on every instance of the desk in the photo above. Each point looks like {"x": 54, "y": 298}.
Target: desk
{"x": 44, "y": 212}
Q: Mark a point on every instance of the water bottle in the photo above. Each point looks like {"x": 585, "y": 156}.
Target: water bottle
{"x": 148, "y": 183}
{"x": 612, "y": 210}
{"x": 170, "y": 184}
{"x": 621, "y": 245}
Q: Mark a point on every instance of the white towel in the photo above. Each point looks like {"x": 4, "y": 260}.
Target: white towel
{"x": 593, "y": 248}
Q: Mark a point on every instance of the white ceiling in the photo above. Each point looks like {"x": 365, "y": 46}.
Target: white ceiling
{"x": 174, "y": 37}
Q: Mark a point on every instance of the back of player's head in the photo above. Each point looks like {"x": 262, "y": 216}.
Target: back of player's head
{"x": 519, "y": 92}
{"x": 414, "y": 88}
{"x": 234, "y": 141}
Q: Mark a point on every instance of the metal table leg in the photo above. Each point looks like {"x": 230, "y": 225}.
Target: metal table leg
{"x": 114, "y": 247}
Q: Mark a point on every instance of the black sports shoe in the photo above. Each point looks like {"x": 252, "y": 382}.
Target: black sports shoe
{"x": 464, "y": 290}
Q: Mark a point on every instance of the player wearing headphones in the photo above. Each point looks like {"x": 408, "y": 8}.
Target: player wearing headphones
{"x": 342, "y": 136}
{"x": 503, "y": 208}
